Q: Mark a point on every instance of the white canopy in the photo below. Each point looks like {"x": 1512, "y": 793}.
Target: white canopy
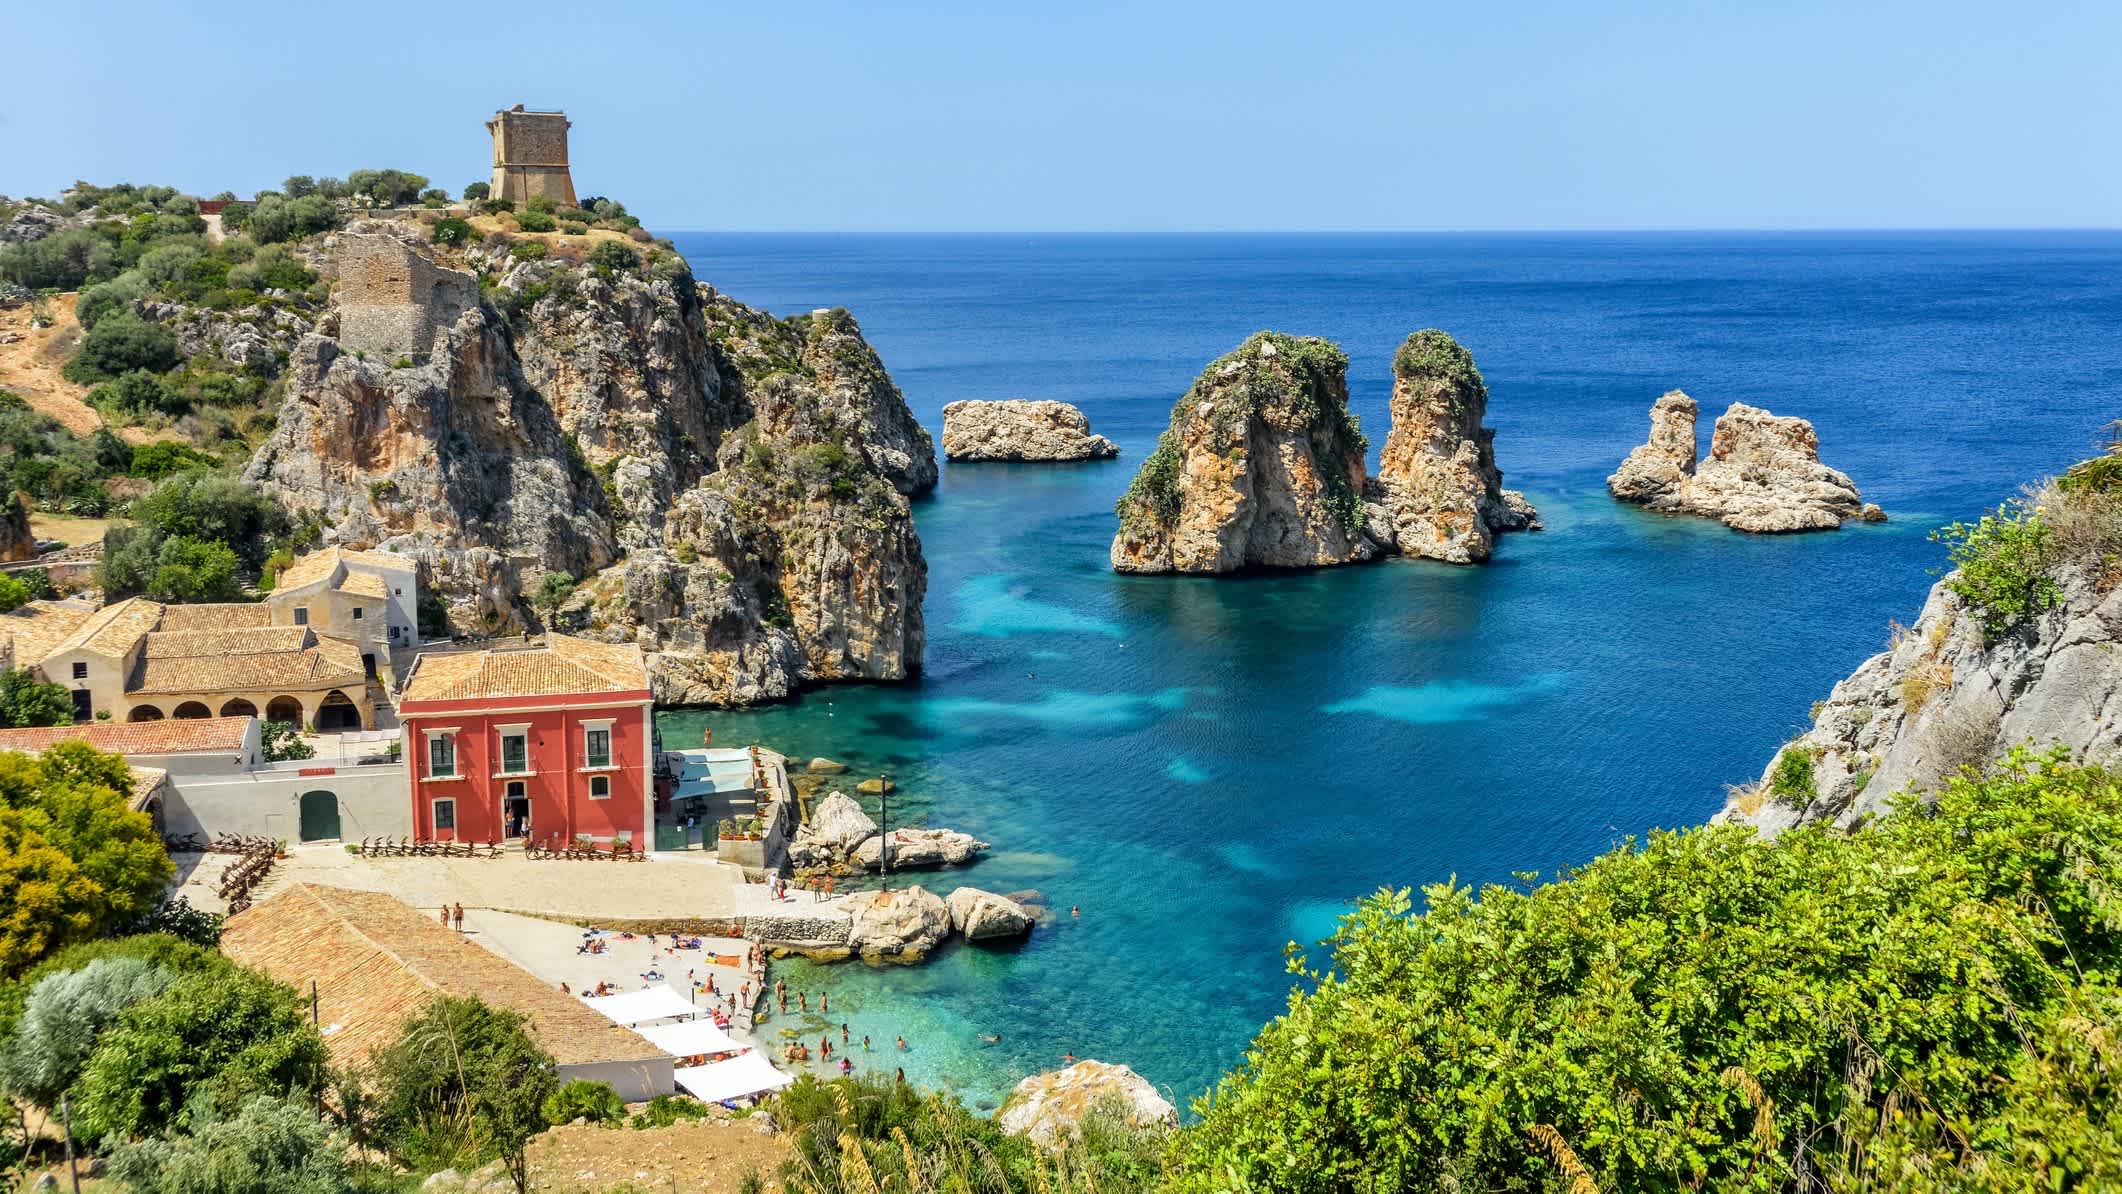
{"x": 691, "y": 1037}
{"x": 744, "y": 1074}
{"x": 655, "y": 1003}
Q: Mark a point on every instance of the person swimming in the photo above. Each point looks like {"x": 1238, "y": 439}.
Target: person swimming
{"x": 990, "y": 1038}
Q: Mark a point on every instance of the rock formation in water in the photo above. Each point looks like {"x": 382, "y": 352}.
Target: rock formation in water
{"x": 1021, "y": 429}
{"x": 1262, "y": 466}
{"x": 979, "y": 915}
{"x": 728, "y": 487}
{"x": 919, "y": 849}
{"x": 1049, "y": 1108}
{"x": 900, "y": 925}
{"x": 1763, "y": 474}
{"x": 1950, "y": 691}
{"x": 1438, "y": 493}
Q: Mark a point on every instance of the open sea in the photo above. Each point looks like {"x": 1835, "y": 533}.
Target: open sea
{"x": 1210, "y": 768}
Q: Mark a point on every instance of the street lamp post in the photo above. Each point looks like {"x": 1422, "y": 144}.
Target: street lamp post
{"x": 884, "y": 828}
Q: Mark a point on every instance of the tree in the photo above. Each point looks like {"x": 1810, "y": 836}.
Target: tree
{"x": 194, "y": 570}
{"x": 463, "y": 1084}
{"x": 13, "y": 592}
{"x": 298, "y": 185}
{"x": 78, "y": 858}
{"x": 476, "y": 191}
{"x": 553, "y": 592}
{"x": 611, "y": 255}
{"x": 228, "y": 1034}
{"x": 120, "y": 343}
{"x": 62, "y": 1018}
{"x": 284, "y": 741}
{"x": 27, "y": 701}
{"x": 138, "y": 392}
{"x": 160, "y": 458}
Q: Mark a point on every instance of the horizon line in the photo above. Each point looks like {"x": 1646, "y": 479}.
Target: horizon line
{"x": 1676, "y": 230}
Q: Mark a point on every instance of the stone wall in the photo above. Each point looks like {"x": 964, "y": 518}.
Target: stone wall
{"x": 392, "y": 300}
{"x": 374, "y": 801}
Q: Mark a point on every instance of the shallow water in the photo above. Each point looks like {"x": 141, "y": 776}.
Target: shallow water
{"x": 1212, "y": 768}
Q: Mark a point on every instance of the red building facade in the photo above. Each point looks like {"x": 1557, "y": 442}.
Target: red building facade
{"x": 539, "y": 743}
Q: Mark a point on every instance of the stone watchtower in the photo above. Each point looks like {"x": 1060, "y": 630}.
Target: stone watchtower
{"x": 530, "y": 156}
{"x": 392, "y": 300}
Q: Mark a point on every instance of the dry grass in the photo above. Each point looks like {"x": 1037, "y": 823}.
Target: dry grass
{"x": 1747, "y": 798}
{"x": 70, "y": 530}
{"x": 29, "y": 366}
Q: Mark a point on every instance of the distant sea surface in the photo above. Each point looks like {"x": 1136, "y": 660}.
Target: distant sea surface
{"x": 1210, "y": 768}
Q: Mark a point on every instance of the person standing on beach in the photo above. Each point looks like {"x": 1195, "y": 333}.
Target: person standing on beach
{"x": 843, "y": 1034}
{"x": 825, "y": 1002}
{"x": 445, "y": 916}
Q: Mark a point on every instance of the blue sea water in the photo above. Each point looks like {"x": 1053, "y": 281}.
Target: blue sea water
{"x": 1209, "y": 768}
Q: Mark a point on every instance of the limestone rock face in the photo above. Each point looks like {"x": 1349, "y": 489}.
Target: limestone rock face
{"x": 979, "y": 915}
{"x": 915, "y": 849}
{"x": 1262, "y": 466}
{"x": 836, "y": 826}
{"x": 1438, "y": 489}
{"x": 1657, "y": 473}
{"x": 1945, "y": 694}
{"x": 1049, "y": 1108}
{"x": 1763, "y": 474}
{"x": 1021, "y": 429}
{"x": 726, "y": 486}
{"x": 901, "y": 925}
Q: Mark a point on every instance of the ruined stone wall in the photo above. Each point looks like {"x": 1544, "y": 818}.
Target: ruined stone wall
{"x": 391, "y": 300}
{"x": 530, "y": 157}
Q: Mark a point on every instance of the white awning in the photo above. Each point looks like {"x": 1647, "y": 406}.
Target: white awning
{"x": 744, "y": 1074}
{"x": 655, "y": 1003}
{"x": 691, "y": 1037}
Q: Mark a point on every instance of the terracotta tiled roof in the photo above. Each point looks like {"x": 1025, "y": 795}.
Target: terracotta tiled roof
{"x": 112, "y": 630}
{"x": 376, "y": 961}
{"x": 204, "y": 735}
{"x": 283, "y": 658}
{"x": 324, "y": 564}
{"x": 364, "y": 584}
{"x": 39, "y": 626}
{"x": 564, "y": 666}
{"x": 219, "y": 616}
{"x": 146, "y": 781}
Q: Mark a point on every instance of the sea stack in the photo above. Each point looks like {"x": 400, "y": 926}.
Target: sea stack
{"x": 1262, "y": 466}
{"x": 1021, "y": 429}
{"x": 1763, "y": 474}
{"x": 1438, "y": 493}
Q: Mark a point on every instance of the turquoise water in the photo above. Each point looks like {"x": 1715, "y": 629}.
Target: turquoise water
{"x": 1212, "y": 768}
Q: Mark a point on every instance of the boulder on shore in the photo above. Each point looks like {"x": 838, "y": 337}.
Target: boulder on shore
{"x": 902, "y": 925}
{"x": 1438, "y": 493}
{"x": 1763, "y": 474}
{"x": 1262, "y": 466}
{"x": 837, "y": 826}
{"x": 1021, "y": 429}
{"x": 876, "y": 787}
{"x": 979, "y": 915}
{"x": 1049, "y": 1108}
{"x": 914, "y": 849}
{"x": 823, "y": 766}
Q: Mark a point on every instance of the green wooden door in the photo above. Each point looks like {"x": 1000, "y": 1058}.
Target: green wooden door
{"x": 320, "y": 816}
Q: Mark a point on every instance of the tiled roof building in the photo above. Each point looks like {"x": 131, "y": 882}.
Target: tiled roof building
{"x": 376, "y": 962}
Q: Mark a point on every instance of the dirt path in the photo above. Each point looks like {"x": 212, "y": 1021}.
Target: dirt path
{"x": 696, "y": 1157}
{"x": 30, "y": 359}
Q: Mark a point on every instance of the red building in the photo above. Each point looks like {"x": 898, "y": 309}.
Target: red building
{"x": 556, "y": 741}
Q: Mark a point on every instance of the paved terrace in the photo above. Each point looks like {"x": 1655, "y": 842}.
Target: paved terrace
{"x": 666, "y": 891}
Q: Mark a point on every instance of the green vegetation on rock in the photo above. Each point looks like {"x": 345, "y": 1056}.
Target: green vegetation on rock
{"x": 2002, "y": 564}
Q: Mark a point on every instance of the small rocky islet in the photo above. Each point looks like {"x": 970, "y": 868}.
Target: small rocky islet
{"x": 1763, "y": 474}
{"x": 1263, "y": 466}
{"x": 1021, "y": 430}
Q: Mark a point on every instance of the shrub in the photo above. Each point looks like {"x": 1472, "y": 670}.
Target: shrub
{"x": 120, "y": 343}
{"x": 610, "y": 255}
{"x": 665, "y": 1110}
{"x": 573, "y": 228}
{"x": 534, "y": 220}
{"x": 177, "y": 918}
{"x": 270, "y": 1147}
{"x": 61, "y": 261}
{"x": 583, "y": 1099}
{"x": 1791, "y": 781}
{"x": 284, "y": 741}
{"x": 449, "y": 230}
{"x": 159, "y": 459}
{"x": 529, "y": 250}
{"x": 138, "y": 393}
{"x": 118, "y": 294}
{"x": 13, "y": 592}
{"x": 463, "y": 1084}
{"x": 2001, "y": 565}
{"x": 27, "y": 701}
{"x": 62, "y": 1018}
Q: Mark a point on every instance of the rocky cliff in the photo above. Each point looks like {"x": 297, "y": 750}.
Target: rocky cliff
{"x": 1262, "y": 466}
{"x": 1438, "y": 493}
{"x": 728, "y": 487}
{"x": 1963, "y": 685}
{"x": 1021, "y": 429}
{"x": 1763, "y": 474}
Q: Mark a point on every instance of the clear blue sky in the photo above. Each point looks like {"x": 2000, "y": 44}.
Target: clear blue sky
{"x": 941, "y": 115}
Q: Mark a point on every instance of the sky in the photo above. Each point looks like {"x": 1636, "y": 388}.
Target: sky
{"x": 936, "y": 115}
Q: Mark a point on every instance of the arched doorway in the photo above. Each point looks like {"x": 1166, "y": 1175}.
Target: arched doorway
{"x": 320, "y": 816}
{"x": 338, "y": 712}
{"x": 239, "y": 708}
{"x": 144, "y": 713}
{"x": 191, "y": 711}
{"x": 284, "y": 708}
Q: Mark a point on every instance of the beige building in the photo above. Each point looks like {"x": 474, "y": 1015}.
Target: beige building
{"x": 315, "y": 651}
{"x": 530, "y": 156}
